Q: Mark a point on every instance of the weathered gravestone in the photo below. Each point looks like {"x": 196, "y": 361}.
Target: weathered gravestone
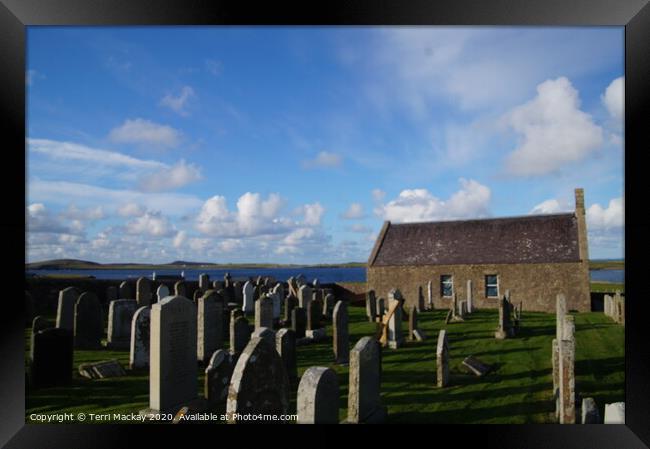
{"x": 125, "y": 291}
{"x": 238, "y": 294}
{"x": 329, "y": 301}
{"x": 566, "y": 349}
{"x": 615, "y": 413}
{"x": 264, "y": 313}
{"x": 278, "y": 299}
{"x": 259, "y": 383}
{"x": 161, "y": 293}
{"x": 248, "y": 291}
{"x": 504, "y": 330}
{"x": 120, "y": 314}
{"x": 240, "y": 334}
{"x": 413, "y": 322}
{"x": 290, "y": 303}
{"x": 102, "y": 370}
{"x": 65, "y": 310}
{"x": 51, "y": 355}
{"x": 340, "y": 333}
{"x": 40, "y": 323}
{"x": 395, "y": 337}
{"x": 590, "y": 414}
{"x": 371, "y": 306}
{"x": 172, "y": 364}
{"x": 442, "y": 359}
{"x": 299, "y": 321}
{"x": 111, "y": 294}
{"x": 560, "y": 307}
{"x": 140, "y": 338}
{"x": 88, "y": 322}
{"x": 429, "y": 296}
{"x": 304, "y": 296}
{"x": 469, "y": 296}
{"x": 314, "y": 310}
{"x": 285, "y": 344}
{"x": 180, "y": 289}
{"x": 265, "y": 333}
{"x": 476, "y": 366}
{"x": 209, "y": 328}
{"x": 364, "y": 395}
{"x": 143, "y": 291}
{"x": 318, "y": 396}
{"x": 196, "y": 295}
{"x": 217, "y": 380}
{"x": 204, "y": 282}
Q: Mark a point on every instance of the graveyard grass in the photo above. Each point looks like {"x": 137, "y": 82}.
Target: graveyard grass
{"x": 517, "y": 391}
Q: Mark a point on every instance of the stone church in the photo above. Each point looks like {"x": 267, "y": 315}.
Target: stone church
{"x": 535, "y": 257}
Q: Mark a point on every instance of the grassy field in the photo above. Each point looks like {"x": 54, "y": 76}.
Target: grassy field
{"x": 607, "y": 287}
{"x": 517, "y": 391}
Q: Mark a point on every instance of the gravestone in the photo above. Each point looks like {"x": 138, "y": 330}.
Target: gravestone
{"x": 196, "y": 295}
{"x": 111, "y": 294}
{"x": 277, "y": 295}
{"x": 476, "y": 366}
{"x": 442, "y": 359}
{"x": 329, "y": 301}
{"x": 101, "y": 370}
{"x": 240, "y": 334}
{"x": 217, "y": 380}
{"x": 469, "y": 296}
{"x": 413, "y": 322}
{"x": 340, "y": 333}
{"x": 161, "y": 293}
{"x": 88, "y": 322}
{"x": 299, "y": 321}
{"x": 204, "y": 282}
{"x": 615, "y": 413}
{"x": 318, "y": 396}
{"x": 237, "y": 288}
{"x": 180, "y": 289}
{"x": 65, "y": 310}
{"x": 364, "y": 390}
{"x": 264, "y": 313}
{"x": 285, "y": 344}
{"x": 140, "y": 338}
{"x": 420, "y": 304}
{"x": 304, "y": 296}
{"x": 371, "y": 306}
{"x": 504, "y": 329}
{"x": 290, "y": 303}
{"x": 395, "y": 337}
{"x": 567, "y": 372}
{"x": 314, "y": 310}
{"x": 143, "y": 292}
{"x": 172, "y": 372}
{"x": 265, "y": 333}
{"x": 259, "y": 383}
{"x": 590, "y": 414}
{"x": 120, "y": 314}
{"x": 124, "y": 291}
{"x": 248, "y": 292}
{"x": 209, "y": 326}
{"x": 51, "y": 354}
{"x": 40, "y": 323}
{"x": 560, "y": 307}
{"x": 429, "y": 296}
{"x": 381, "y": 308}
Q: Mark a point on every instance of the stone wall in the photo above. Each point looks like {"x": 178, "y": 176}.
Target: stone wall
{"x": 535, "y": 284}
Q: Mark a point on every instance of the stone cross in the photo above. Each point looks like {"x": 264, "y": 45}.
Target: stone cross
{"x": 340, "y": 333}
{"x": 364, "y": 389}
{"x": 259, "y": 383}
{"x": 318, "y": 396}
{"x": 88, "y": 322}
{"x": 172, "y": 365}
{"x": 442, "y": 359}
{"x": 65, "y": 310}
{"x": 140, "y": 338}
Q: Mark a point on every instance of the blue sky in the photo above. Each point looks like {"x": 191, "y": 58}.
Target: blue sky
{"x": 294, "y": 144}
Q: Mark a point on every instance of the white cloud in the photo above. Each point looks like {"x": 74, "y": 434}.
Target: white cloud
{"x": 84, "y": 215}
{"x": 354, "y": 211}
{"x": 359, "y": 228}
{"x": 614, "y": 98}
{"x": 551, "y": 206}
{"x": 313, "y": 214}
{"x": 170, "y": 178}
{"x": 554, "y": 130}
{"x": 151, "y": 223}
{"x": 179, "y": 239}
{"x": 39, "y": 219}
{"x": 199, "y": 244}
{"x": 131, "y": 210}
{"x": 613, "y": 216}
{"x": 230, "y": 245}
{"x": 324, "y": 159}
{"x": 178, "y": 104}
{"x": 378, "y": 194}
{"x": 146, "y": 132}
{"x": 80, "y": 153}
{"x": 471, "y": 201}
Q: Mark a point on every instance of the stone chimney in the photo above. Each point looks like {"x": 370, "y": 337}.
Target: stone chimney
{"x": 582, "y": 224}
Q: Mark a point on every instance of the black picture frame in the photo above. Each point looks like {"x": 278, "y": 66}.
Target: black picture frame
{"x": 634, "y": 15}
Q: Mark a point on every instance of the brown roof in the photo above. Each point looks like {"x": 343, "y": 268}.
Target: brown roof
{"x": 527, "y": 239}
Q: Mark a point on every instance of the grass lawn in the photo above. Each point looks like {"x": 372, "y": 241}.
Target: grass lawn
{"x": 517, "y": 391}
{"x": 607, "y": 287}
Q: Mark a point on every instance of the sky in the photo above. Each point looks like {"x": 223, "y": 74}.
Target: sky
{"x": 295, "y": 144}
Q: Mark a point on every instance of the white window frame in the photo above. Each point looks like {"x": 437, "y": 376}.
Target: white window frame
{"x": 451, "y": 281}
{"x": 487, "y": 285}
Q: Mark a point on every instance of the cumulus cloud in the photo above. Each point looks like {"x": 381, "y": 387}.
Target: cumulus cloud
{"x": 612, "y": 216}
{"x": 170, "y": 178}
{"x": 554, "y": 131}
{"x": 151, "y": 223}
{"x": 414, "y": 205}
{"x": 131, "y": 210}
{"x": 313, "y": 214}
{"x": 179, "y": 103}
{"x": 614, "y": 98}
{"x": 146, "y": 132}
{"x": 84, "y": 215}
{"x": 551, "y": 206}
{"x": 39, "y": 219}
{"x": 355, "y": 211}
{"x": 324, "y": 159}
{"x": 179, "y": 239}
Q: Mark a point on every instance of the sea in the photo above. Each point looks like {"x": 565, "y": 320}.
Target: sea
{"x": 324, "y": 274}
